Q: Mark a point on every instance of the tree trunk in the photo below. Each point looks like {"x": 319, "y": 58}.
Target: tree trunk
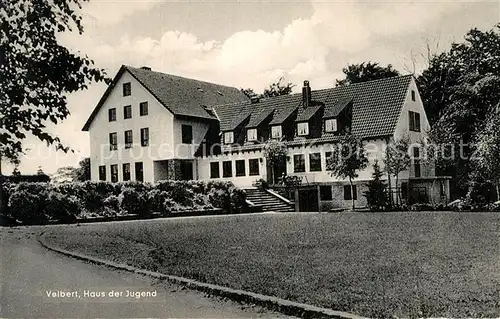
{"x": 498, "y": 191}
{"x": 398, "y": 192}
{"x": 352, "y": 196}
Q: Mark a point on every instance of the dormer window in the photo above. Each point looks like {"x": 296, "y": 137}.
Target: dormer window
{"x": 331, "y": 125}
{"x": 276, "y": 131}
{"x": 303, "y": 129}
{"x": 228, "y": 138}
{"x": 252, "y": 134}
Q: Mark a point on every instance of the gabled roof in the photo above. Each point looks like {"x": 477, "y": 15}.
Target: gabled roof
{"x": 337, "y": 108}
{"x": 376, "y": 105}
{"x": 181, "y": 96}
{"x": 258, "y": 117}
{"x": 305, "y": 114}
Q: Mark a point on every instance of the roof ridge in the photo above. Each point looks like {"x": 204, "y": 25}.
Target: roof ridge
{"x": 180, "y": 76}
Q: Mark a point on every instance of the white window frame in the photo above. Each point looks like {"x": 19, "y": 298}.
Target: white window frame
{"x": 303, "y": 129}
{"x": 331, "y": 125}
{"x": 252, "y": 134}
{"x": 228, "y": 137}
{"x": 276, "y": 131}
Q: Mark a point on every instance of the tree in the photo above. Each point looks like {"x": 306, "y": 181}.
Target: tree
{"x": 397, "y": 159}
{"x": 16, "y": 171}
{"x": 487, "y": 153}
{"x": 348, "y": 157}
{"x": 363, "y": 72}
{"x": 82, "y": 173}
{"x": 36, "y": 71}
{"x": 275, "y": 153}
{"x": 278, "y": 88}
{"x": 64, "y": 174}
{"x": 376, "y": 196}
{"x": 274, "y": 89}
{"x": 40, "y": 171}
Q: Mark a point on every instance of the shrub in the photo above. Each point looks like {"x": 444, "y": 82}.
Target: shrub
{"x": 27, "y": 207}
{"x": 169, "y": 205}
{"x": 62, "y": 207}
{"x": 219, "y": 198}
{"x": 419, "y": 207}
{"x": 292, "y": 181}
{"x": 238, "y": 199}
{"x": 112, "y": 205}
{"x": 376, "y": 195}
{"x": 261, "y": 183}
{"x": 131, "y": 202}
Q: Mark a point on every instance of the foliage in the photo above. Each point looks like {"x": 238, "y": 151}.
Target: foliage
{"x": 292, "y": 181}
{"x": 348, "y": 157}
{"x": 376, "y": 195}
{"x": 82, "y": 173}
{"x": 131, "y": 202}
{"x": 27, "y": 178}
{"x": 27, "y": 207}
{"x": 363, "y": 72}
{"x": 37, "y": 71}
{"x": 275, "y": 89}
{"x": 262, "y": 183}
{"x": 275, "y": 153}
{"x": 63, "y": 208}
{"x": 460, "y": 91}
{"x": 112, "y": 204}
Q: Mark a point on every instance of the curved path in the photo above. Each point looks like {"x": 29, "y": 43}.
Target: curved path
{"x": 31, "y": 278}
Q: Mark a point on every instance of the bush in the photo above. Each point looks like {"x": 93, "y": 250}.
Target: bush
{"x": 261, "y": 183}
{"x": 419, "y": 207}
{"x": 238, "y": 199}
{"x": 112, "y": 205}
{"x": 292, "y": 181}
{"x": 27, "y": 207}
{"x": 131, "y": 202}
{"x": 62, "y": 207}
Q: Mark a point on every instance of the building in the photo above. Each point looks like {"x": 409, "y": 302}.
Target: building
{"x": 150, "y": 126}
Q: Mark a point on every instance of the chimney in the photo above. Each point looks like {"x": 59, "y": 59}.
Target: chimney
{"x": 147, "y": 68}
{"x": 255, "y": 99}
{"x": 306, "y": 94}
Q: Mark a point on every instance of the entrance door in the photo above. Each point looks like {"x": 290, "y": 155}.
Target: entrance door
{"x": 308, "y": 200}
{"x": 278, "y": 170}
{"x": 186, "y": 170}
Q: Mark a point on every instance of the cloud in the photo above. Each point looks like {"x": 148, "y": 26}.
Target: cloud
{"x": 100, "y": 13}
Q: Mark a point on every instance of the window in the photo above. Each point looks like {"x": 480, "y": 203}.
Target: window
{"x": 114, "y": 173}
{"x": 303, "y": 129}
{"x": 331, "y": 125}
{"x": 113, "y": 141}
{"x": 413, "y": 98}
{"x": 299, "y": 164}
{"x": 128, "y": 139}
{"x": 414, "y": 119}
{"x": 315, "y": 162}
{"x": 127, "y": 112}
{"x": 187, "y": 134}
{"x": 144, "y": 136}
{"x": 143, "y": 108}
{"x": 126, "y": 171}
{"x": 127, "y": 89}
{"x": 240, "y": 168}
{"x": 227, "y": 169}
{"x": 348, "y": 195}
{"x": 417, "y": 168}
{"x": 102, "y": 173}
{"x": 253, "y": 165}
{"x": 139, "y": 172}
{"x": 214, "y": 170}
{"x": 325, "y": 192}
{"x": 112, "y": 114}
{"x": 252, "y": 134}
{"x": 228, "y": 138}
{"x": 328, "y": 156}
{"x": 276, "y": 131}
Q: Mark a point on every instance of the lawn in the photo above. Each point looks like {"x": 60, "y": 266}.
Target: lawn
{"x": 378, "y": 265}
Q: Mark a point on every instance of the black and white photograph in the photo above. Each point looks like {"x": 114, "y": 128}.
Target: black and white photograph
{"x": 249, "y": 159}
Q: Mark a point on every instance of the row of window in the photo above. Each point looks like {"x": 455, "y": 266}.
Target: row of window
{"x": 139, "y": 172}
{"x": 129, "y": 139}
{"x": 299, "y": 162}
{"x": 127, "y": 111}
{"x": 240, "y": 166}
{"x": 325, "y": 192}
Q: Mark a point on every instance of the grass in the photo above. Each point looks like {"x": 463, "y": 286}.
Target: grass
{"x": 415, "y": 264}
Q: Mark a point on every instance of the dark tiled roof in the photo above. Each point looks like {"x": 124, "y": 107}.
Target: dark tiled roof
{"x": 375, "y": 112}
{"x": 182, "y": 96}
{"x": 337, "y": 107}
{"x": 258, "y": 117}
{"x": 305, "y": 114}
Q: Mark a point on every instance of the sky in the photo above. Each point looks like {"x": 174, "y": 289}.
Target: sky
{"x": 250, "y": 44}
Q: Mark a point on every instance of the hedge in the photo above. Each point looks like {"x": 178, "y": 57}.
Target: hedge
{"x": 40, "y": 203}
